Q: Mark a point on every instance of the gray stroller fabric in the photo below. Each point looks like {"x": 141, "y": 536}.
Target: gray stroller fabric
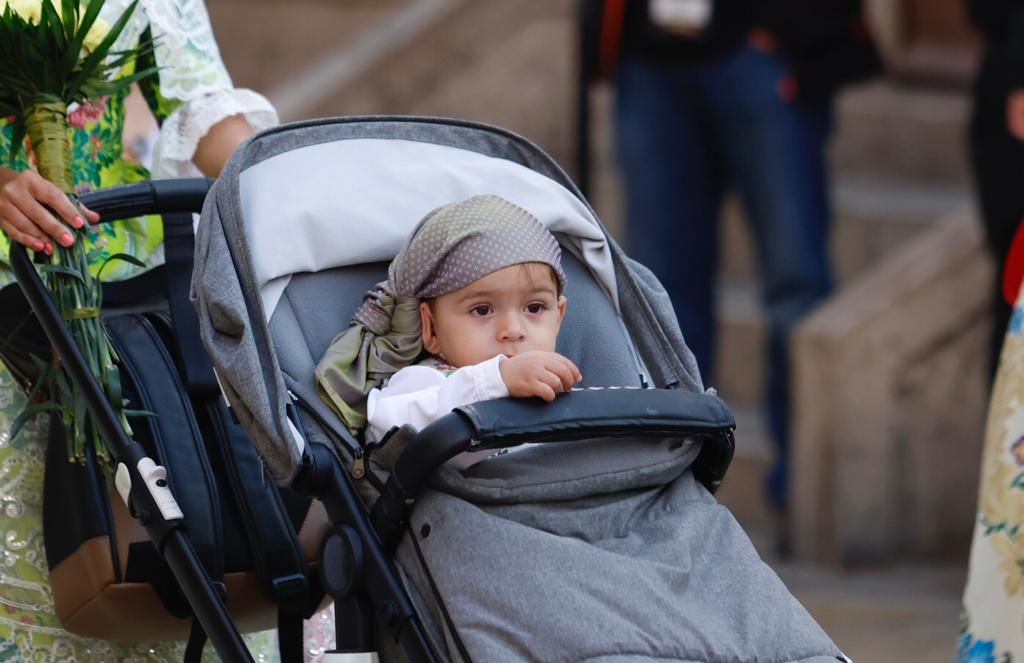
{"x": 659, "y": 574}
{"x": 604, "y": 550}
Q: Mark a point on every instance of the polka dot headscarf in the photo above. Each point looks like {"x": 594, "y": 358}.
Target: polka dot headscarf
{"x": 450, "y": 248}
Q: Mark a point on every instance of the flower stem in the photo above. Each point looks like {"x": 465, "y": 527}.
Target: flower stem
{"x": 77, "y": 299}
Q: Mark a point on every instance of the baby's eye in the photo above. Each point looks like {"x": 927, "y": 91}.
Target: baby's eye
{"x": 481, "y": 310}
{"x": 536, "y": 307}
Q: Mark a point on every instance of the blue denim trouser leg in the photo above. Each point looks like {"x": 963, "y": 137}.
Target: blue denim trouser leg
{"x": 672, "y": 192}
{"x": 703, "y": 122}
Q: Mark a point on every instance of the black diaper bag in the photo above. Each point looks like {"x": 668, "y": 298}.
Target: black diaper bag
{"x": 259, "y": 544}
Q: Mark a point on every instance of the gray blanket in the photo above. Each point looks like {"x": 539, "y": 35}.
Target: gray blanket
{"x": 633, "y": 563}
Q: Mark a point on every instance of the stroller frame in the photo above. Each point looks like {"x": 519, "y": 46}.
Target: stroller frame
{"x": 357, "y": 566}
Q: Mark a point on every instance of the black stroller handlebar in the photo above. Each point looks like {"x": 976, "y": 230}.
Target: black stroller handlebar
{"x": 575, "y": 416}
{"x": 150, "y": 197}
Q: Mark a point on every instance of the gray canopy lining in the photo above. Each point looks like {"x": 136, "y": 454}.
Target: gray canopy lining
{"x": 356, "y": 201}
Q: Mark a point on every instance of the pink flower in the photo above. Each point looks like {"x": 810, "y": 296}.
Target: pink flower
{"x": 88, "y": 112}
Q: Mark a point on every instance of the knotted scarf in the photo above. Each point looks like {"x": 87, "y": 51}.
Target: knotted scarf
{"x": 452, "y": 247}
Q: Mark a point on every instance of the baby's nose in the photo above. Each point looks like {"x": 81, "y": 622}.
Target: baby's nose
{"x": 512, "y": 328}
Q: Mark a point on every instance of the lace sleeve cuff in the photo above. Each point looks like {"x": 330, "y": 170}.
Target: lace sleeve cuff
{"x": 185, "y": 127}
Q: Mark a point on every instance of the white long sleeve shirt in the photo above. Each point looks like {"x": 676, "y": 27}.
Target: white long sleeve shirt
{"x": 419, "y": 395}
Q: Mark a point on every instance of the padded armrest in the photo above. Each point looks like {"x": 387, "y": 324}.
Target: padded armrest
{"x": 578, "y": 415}
{"x": 595, "y": 413}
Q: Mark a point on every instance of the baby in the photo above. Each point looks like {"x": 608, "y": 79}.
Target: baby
{"x": 470, "y": 312}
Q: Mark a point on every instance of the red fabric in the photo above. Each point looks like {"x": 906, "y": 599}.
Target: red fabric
{"x": 1013, "y": 274}
{"x": 611, "y": 36}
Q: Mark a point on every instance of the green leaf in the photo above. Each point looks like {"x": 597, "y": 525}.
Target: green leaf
{"x": 93, "y": 61}
{"x": 139, "y": 413}
{"x": 69, "y": 18}
{"x": 122, "y": 257}
{"x": 92, "y": 10}
{"x": 112, "y": 378}
{"x": 43, "y": 380}
{"x": 28, "y": 414}
{"x": 61, "y": 269}
{"x": 55, "y": 26}
{"x": 17, "y": 140}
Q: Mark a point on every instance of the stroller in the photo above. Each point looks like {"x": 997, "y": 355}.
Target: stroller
{"x": 603, "y": 543}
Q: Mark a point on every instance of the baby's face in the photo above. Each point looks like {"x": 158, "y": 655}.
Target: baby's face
{"x": 510, "y": 311}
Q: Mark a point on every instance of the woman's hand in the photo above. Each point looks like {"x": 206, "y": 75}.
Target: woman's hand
{"x": 25, "y": 219}
{"x": 539, "y": 373}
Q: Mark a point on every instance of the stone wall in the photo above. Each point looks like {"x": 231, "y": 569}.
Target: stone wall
{"x": 891, "y": 386}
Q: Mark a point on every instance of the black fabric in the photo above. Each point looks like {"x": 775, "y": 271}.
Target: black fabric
{"x": 1002, "y": 22}
{"x": 172, "y": 438}
{"x": 75, "y": 503}
{"x": 260, "y": 529}
{"x": 193, "y": 362}
{"x": 146, "y": 565}
{"x": 21, "y": 336}
{"x": 641, "y": 38}
{"x": 826, "y": 42}
{"x": 273, "y": 545}
{"x": 997, "y": 158}
{"x": 289, "y": 636}
{"x": 196, "y": 643}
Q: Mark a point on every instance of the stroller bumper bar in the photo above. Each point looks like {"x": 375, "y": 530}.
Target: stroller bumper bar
{"x": 576, "y": 416}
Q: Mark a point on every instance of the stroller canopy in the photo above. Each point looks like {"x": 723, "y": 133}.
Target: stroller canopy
{"x": 341, "y": 195}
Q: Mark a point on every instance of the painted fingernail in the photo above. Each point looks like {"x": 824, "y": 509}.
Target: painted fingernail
{"x": 67, "y": 240}
{"x": 38, "y": 246}
{"x": 79, "y": 222}
{"x": 49, "y": 249}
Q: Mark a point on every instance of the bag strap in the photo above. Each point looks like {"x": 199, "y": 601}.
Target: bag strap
{"x": 278, "y": 559}
{"x": 196, "y": 643}
{"x": 179, "y": 251}
{"x": 279, "y": 563}
{"x": 174, "y": 438}
{"x": 289, "y": 636}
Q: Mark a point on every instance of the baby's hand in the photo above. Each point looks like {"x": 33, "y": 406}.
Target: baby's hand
{"x": 539, "y": 373}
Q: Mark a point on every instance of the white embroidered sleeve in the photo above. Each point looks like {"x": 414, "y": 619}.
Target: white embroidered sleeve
{"x": 181, "y": 132}
{"x": 192, "y": 72}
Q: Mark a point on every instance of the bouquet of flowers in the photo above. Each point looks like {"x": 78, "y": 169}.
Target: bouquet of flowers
{"x": 49, "y": 60}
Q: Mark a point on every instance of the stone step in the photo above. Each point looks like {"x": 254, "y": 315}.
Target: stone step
{"x": 906, "y": 613}
{"x": 872, "y": 216}
{"x": 902, "y": 133}
{"x": 873, "y": 219}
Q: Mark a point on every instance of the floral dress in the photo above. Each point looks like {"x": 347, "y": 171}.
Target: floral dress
{"x": 992, "y": 622}
{"x": 191, "y": 93}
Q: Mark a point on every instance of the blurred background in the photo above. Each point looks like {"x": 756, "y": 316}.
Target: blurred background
{"x": 890, "y": 376}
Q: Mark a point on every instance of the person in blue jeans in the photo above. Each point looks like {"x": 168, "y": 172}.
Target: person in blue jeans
{"x": 720, "y": 93}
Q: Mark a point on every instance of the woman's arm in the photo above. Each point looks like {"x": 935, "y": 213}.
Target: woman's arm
{"x": 217, "y": 145}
